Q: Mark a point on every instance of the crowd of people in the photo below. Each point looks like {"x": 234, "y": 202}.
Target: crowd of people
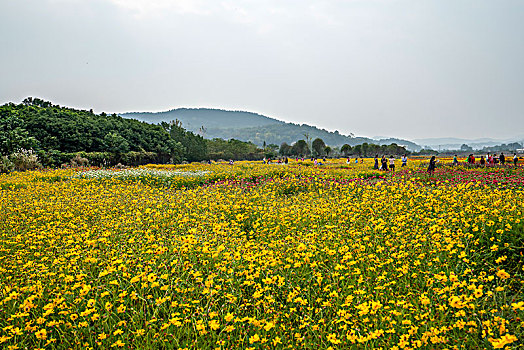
{"x": 382, "y": 163}
{"x": 489, "y": 159}
{"x": 283, "y": 160}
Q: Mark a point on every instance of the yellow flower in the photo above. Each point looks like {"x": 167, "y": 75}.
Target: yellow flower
{"x": 229, "y": 317}
{"x": 502, "y": 341}
{"x": 332, "y": 338}
{"x": 254, "y": 339}
{"x": 276, "y": 341}
{"x": 16, "y": 331}
{"x": 41, "y": 334}
{"x": 503, "y": 274}
{"x": 456, "y": 302}
{"x": 518, "y": 306}
{"x": 118, "y": 343}
{"x": 268, "y": 326}
{"x": 135, "y": 279}
{"x": 214, "y": 324}
{"x": 4, "y": 339}
{"x": 121, "y": 308}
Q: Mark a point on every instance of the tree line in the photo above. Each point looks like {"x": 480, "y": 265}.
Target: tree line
{"x": 318, "y": 148}
{"x": 57, "y": 135}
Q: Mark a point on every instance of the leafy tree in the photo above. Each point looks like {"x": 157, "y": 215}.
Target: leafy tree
{"x": 365, "y": 148}
{"x": 13, "y": 135}
{"x": 300, "y": 148}
{"x": 466, "y": 148}
{"x": 272, "y": 147}
{"x": 233, "y": 149}
{"x": 116, "y": 143}
{"x": 346, "y": 149}
{"x": 195, "y": 145}
{"x": 318, "y": 147}
{"x": 56, "y": 132}
{"x": 328, "y": 150}
{"x": 285, "y": 149}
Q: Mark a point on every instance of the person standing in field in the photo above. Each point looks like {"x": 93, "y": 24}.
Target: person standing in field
{"x": 455, "y": 160}
{"x": 515, "y": 159}
{"x": 432, "y": 165}
{"x": 404, "y": 161}
{"x": 482, "y": 161}
{"x": 384, "y": 163}
{"x": 502, "y": 158}
{"x": 391, "y": 163}
{"x": 376, "y": 162}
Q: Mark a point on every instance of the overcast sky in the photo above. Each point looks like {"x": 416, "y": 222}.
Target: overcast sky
{"x": 407, "y": 69}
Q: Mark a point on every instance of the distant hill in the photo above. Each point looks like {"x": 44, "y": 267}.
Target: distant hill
{"x": 455, "y": 143}
{"x": 256, "y": 128}
{"x": 194, "y": 118}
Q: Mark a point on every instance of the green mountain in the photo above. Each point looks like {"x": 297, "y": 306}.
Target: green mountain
{"x": 256, "y": 128}
{"x": 194, "y": 118}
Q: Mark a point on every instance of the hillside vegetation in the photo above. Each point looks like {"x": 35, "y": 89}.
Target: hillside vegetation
{"x": 38, "y": 133}
{"x": 256, "y": 128}
{"x": 55, "y": 135}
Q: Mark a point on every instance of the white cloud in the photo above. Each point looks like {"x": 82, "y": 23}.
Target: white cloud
{"x": 143, "y": 8}
{"x": 264, "y": 16}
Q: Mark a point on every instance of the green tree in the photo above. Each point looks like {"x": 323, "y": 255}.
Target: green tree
{"x": 195, "y": 145}
{"x": 346, "y": 149}
{"x": 13, "y": 135}
{"x": 285, "y": 149}
{"x": 116, "y": 143}
{"x": 318, "y": 147}
{"x": 56, "y": 132}
{"x": 300, "y": 148}
{"x": 365, "y": 148}
{"x": 466, "y": 148}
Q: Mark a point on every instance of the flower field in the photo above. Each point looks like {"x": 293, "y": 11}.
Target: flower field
{"x": 254, "y": 256}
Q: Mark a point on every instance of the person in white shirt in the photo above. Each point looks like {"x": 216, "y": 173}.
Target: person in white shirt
{"x": 391, "y": 163}
{"x": 404, "y": 160}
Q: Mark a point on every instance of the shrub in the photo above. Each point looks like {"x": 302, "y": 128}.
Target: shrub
{"x": 25, "y": 159}
{"x": 6, "y": 166}
{"x": 53, "y": 158}
{"x": 78, "y": 160}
